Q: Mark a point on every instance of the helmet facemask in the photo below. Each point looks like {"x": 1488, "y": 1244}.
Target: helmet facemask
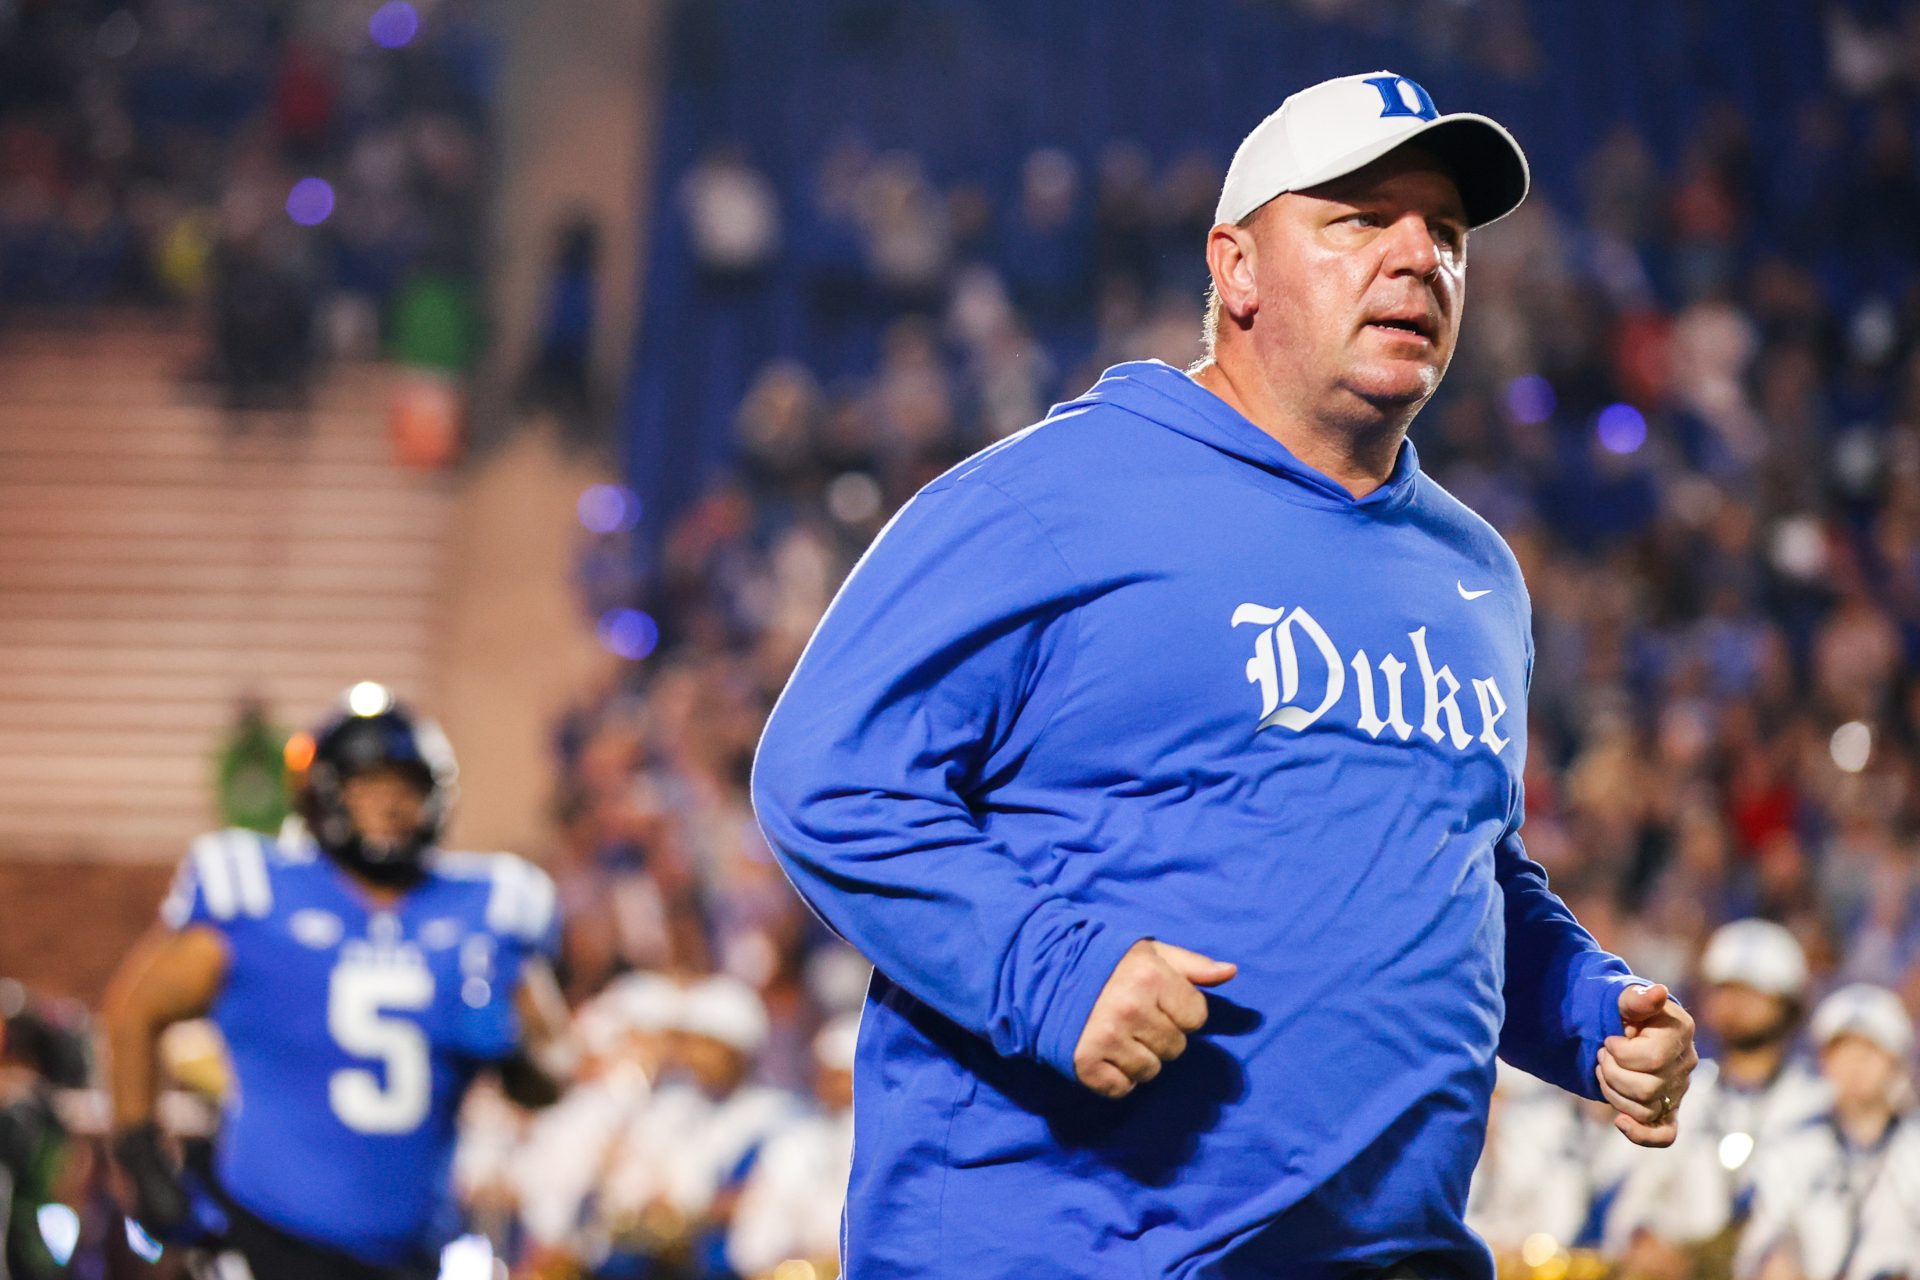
{"x": 355, "y": 745}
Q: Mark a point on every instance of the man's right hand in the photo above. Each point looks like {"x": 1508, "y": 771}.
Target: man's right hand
{"x": 1151, "y": 1003}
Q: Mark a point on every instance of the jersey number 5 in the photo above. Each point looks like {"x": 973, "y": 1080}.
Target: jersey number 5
{"x": 359, "y": 999}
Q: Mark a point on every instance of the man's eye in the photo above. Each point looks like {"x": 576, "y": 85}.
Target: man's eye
{"x": 1364, "y": 219}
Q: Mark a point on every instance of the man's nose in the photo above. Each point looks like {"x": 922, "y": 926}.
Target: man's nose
{"x": 1410, "y": 247}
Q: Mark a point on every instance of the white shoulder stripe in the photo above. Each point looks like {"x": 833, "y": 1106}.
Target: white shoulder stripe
{"x": 462, "y": 865}
{"x": 503, "y": 902}
{"x": 540, "y": 900}
{"x": 215, "y": 873}
{"x": 178, "y": 904}
{"x": 250, "y": 873}
{"x": 521, "y": 900}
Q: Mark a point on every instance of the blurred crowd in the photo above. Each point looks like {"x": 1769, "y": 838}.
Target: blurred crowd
{"x": 306, "y": 174}
{"x": 1689, "y": 398}
{"x": 1688, "y": 393}
{"x": 1798, "y": 1156}
{"x": 671, "y": 1156}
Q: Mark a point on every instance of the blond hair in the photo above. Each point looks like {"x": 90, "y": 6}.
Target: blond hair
{"x": 1210, "y": 324}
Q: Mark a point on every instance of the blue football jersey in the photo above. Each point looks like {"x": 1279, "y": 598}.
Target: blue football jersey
{"x": 355, "y": 1030}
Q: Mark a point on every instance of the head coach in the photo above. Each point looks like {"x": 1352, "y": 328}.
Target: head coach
{"x": 1165, "y": 758}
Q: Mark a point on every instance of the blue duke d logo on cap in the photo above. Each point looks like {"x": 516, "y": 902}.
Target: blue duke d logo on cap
{"x": 1333, "y": 128}
{"x": 1394, "y": 94}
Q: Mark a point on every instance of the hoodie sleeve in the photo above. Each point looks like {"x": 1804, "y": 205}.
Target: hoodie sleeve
{"x": 934, "y": 671}
{"x": 1562, "y": 990}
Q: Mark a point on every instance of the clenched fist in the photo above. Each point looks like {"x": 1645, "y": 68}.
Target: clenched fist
{"x": 1151, "y": 1003}
{"x": 1645, "y": 1072}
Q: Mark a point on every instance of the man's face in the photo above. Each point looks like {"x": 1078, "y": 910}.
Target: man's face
{"x": 1361, "y": 282}
{"x": 1744, "y": 1017}
{"x": 386, "y": 805}
{"x": 834, "y": 1087}
{"x": 1861, "y": 1072}
{"x": 716, "y": 1066}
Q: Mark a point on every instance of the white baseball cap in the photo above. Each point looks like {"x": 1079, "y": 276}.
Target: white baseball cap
{"x": 1758, "y": 954}
{"x": 833, "y": 1047}
{"x": 1870, "y": 1012}
{"x": 647, "y": 1001}
{"x": 1340, "y": 125}
{"x": 632, "y": 1002}
{"x": 725, "y": 1009}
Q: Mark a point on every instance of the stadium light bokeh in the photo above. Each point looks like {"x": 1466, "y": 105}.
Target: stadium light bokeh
{"x": 1530, "y": 399}
{"x": 310, "y": 203}
{"x": 609, "y": 508}
{"x": 394, "y": 25}
{"x": 628, "y": 633}
{"x": 1621, "y": 429}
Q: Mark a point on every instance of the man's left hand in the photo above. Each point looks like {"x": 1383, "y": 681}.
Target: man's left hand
{"x": 1644, "y": 1073}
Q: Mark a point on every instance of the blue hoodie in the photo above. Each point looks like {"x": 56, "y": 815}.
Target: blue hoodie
{"x": 1138, "y": 672}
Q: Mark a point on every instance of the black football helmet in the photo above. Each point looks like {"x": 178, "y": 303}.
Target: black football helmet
{"x": 373, "y": 731}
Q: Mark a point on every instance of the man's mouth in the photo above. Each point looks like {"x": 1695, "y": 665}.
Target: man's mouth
{"x": 1413, "y": 328}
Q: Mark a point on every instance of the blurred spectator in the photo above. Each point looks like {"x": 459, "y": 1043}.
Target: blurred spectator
{"x": 263, "y": 318}
{"x": 560, "y": 376}
{"x": 1750, "y": 1098}
{"x": 625, "y": 1037}
{"x": 41, "y": 1054}
{"x": 1047, "y": 248}
{"x": 908, "y": 237}
{"x": 436, "y": 319}
{"x": 790, "y": 1202}
{"x": 674, "y": 1180}
{"x": 733, "y": 216}
{"x": 252, "y": 772}
{"x": 1532, "y": 1179}
{"x": 1839, "y": 1199}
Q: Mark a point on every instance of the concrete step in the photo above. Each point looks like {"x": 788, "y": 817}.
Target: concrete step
{"x": 89, "y": 797}
{"x": 128, "y": 770}
{"x": 254, "y": 475}
{"x": 139, "y": 847}
{"x": 291, "y": 494}
{"x": 113, "y": 837}
{"x": 61, "y": 688}
{"x": 166, "y": 365}
{"x": 176, "y": 431}
{"x": 192, "y": 715}
{"x": 412, "y": 521}
{"x": 148, "y": 835}
{"x": 63, "y": 741}
{"x": 126, "y": 332}
{"x": 206, "y": 659}
{"x": 317, "y": 627}
{"x": 26, "y": 393}
{"x": 207, "y": 548}
{"x": 274, "y": 573}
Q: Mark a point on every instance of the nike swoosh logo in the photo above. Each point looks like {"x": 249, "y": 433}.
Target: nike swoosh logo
{"x": 1465, "y": 594}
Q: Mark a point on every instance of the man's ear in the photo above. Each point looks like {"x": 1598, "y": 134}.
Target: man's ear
{"x": 1230, "y": 257}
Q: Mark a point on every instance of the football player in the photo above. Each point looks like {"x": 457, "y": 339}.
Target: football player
{"x": 362, "y": 979}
